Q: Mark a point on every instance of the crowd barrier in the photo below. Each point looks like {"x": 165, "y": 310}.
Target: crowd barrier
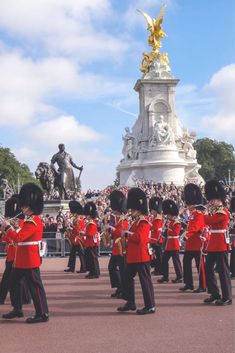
{"x": 57, "y": 245}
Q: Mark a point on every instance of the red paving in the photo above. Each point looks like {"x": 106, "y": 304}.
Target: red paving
{"x": 83, "y": 318}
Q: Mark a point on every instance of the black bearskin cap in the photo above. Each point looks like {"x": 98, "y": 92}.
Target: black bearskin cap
{"x": 75, "y": 207}
{"x": 12, "y": 207}
{"x": 232, "y": 205}
{"x": 169, "y": 207}
{"x": 192, "y": 195}
{"x": 90, "y": 209}
{"x": 31, "y": 196}
{"x": 155, "y": 203}
{"x": 137, "y": 200}
{"x": 214, "y": 190}
{"x": 118, "y": 201}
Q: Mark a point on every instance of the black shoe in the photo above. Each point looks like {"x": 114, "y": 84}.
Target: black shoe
{"x": 186, "y": 287}
{"x": 114, "y": 295}
{"x": 68, "y": 270}
{"x": 222, "y": 302}
{"x": 177, "y": 280}
{"x": 37, "y": 318}
{"x": 199, "y": 290}
{"x": 12, "y": 314}
{"x": 127, "y": 307}
{"x": 211, "y": 299}
{"x": 91, "y": 276}
{"x": 81, "y": 271}
{"x": 145, "y": 311}
{"x": 163, "y": 280}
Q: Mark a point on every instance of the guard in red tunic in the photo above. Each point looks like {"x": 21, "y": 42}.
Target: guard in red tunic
{"x": 76, "y": 238}
{"x": 138, "y": 255}
{"x": 156, "y": 240}
{"x": 120, "y": 225}
{"x": 91, "y": 241}
{"x": 217, "y": 248}
{"x": 172, "y": 247}
{"x": 193, "y": 237}
{"x": 28, "y": 260}
{"x": 232, "y": 237}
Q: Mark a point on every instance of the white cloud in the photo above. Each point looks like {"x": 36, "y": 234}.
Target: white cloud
{"x": 62, "y": 129}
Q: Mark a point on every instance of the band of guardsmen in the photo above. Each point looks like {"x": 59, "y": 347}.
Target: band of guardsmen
{"x": 142, "y": 234}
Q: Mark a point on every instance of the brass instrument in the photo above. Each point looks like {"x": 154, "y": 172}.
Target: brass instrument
{"x": 73, "y": 240}
{"x": 106, "y": 230}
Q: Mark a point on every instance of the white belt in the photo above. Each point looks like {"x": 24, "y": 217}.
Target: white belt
{"x": 24, "y": 243}
{"x": 218, "y": 231}
{"x": 170, "y": 237}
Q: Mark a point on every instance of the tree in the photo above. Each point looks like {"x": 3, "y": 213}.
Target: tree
{"x": 216, "y": 158}
{"x": 14, "y": 171}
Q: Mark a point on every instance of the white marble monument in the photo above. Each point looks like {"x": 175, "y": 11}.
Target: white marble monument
{"x": 158, "y": 148}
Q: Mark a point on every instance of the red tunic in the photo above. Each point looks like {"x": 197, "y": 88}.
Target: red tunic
{"x": 117, "y": 233}
{"x": 91, "y": 234}
{"x": 194, "y": 231}
{"x": 173, "y": 232}
{"x": 137, "y": 244}
{"x": 27, "y": 256}
{"x": 78, "y": 225}
{"x": 218, "y": 223}
{"x": 156, "y": 230}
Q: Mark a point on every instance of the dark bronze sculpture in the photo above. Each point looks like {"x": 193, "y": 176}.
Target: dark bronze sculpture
{"x": 65, "y": 171}
{"x": 61, "y": 179}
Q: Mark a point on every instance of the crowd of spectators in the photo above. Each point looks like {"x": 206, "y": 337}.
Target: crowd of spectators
{"x": 55, "y": 225}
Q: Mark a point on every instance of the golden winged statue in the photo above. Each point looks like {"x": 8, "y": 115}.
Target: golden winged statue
{"x": 154, "y": 40}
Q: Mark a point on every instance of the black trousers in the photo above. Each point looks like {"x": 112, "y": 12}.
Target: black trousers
{"x": 176, "y": 262}
{"x": 76, "y": 249}
{"x": 157, "y": 262}
{"x": 34, "y": 282}
{"x": 5, "y": 285}
{"x": 116, "y": 271}
{"x": 232, "y": 262}
{"x": 143, "y": 270}
{"x": 92, "y": 260}
{"x": 220, "y": 259}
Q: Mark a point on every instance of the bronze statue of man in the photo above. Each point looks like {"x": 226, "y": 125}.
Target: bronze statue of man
{"x": 65, "y": 171}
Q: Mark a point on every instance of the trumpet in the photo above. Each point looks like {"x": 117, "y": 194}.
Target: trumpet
{"x": 13, "y": 221}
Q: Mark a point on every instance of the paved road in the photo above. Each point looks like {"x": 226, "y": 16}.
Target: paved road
{"x": 83, "y": 319}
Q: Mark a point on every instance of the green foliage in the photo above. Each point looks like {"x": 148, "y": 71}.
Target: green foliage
{"x": 216, "y": 159}
{"x": 14, "y": 171}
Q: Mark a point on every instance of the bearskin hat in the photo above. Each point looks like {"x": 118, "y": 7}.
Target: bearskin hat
{"x": 75, "y": 207}
{"x": 118, "y": 201}
{"x": 192, "y": 195}
{"x": 155, "y": 203}
{"x": 232, "y": 205}
{"x": 137, "y": 200}
{"x": 90, "y": 209}
{"x": 12, "y": 207}
{"x": 31, "y": 196}
{"x": 169, "y": 207}
{"x": 214, "y": 190}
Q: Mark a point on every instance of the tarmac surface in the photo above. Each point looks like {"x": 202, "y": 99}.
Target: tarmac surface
{"x": 84, "y": 319}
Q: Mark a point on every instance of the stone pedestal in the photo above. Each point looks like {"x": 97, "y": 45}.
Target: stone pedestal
{"x": 52, "y": 207}
{"x": 158, "y": 148}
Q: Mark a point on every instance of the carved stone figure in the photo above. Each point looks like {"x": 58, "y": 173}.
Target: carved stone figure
{"x": 162, "y": 133}
{"x": 65, "y": 171}
{"x": 187, "y": 144}
{"x": 6, "y": 190}
{"x": 129, "y": 145}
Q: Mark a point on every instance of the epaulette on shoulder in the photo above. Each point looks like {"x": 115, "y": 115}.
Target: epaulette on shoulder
{"x": 177, "y": 220}
{"x": 91, "y": 222}
{"x": 30, "y": 219}
{"x": 159, "y": 217}
{"x": 221, "y": 211}
{"x": 143, "y": 219}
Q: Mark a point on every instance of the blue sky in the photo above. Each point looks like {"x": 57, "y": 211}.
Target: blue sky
{"x": 68, "y": 68}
